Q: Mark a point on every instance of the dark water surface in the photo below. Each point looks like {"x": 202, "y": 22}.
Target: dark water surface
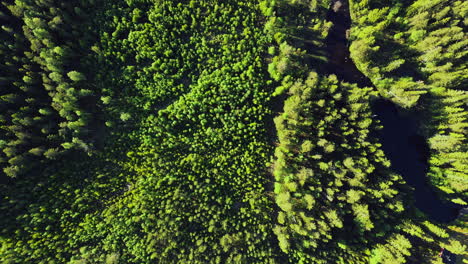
{"x": 409, "y": 153}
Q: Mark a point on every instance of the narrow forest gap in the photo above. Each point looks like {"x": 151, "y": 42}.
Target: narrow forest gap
{"x": 407, "y": 151}
{"x": 340, "y": 62}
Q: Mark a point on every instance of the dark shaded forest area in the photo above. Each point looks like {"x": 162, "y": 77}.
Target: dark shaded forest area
{"x": 234, "y": 131}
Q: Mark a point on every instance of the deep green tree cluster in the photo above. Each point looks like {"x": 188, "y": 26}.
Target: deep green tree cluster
{"x": 299, "y": 30}
{"x": 446, "y": 128}
{"x": 197, "y": 75}
{"x": 44, "y": 98}
{"x": 42, "y": 215}
{"x": 186, "y": 84}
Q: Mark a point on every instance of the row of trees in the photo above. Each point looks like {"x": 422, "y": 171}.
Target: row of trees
{"x": 44, "y": 99}
{"x": 52, "y": 67}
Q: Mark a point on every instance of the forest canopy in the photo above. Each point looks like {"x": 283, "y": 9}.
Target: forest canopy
{"x": 234, "y": 131}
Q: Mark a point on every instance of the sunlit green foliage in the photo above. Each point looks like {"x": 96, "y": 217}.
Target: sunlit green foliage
{"x": 137, "y": 131}
{"x": 185, "y": 83}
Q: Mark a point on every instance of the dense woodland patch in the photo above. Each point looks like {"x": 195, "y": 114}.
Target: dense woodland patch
{"x": 215, "y": 131}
